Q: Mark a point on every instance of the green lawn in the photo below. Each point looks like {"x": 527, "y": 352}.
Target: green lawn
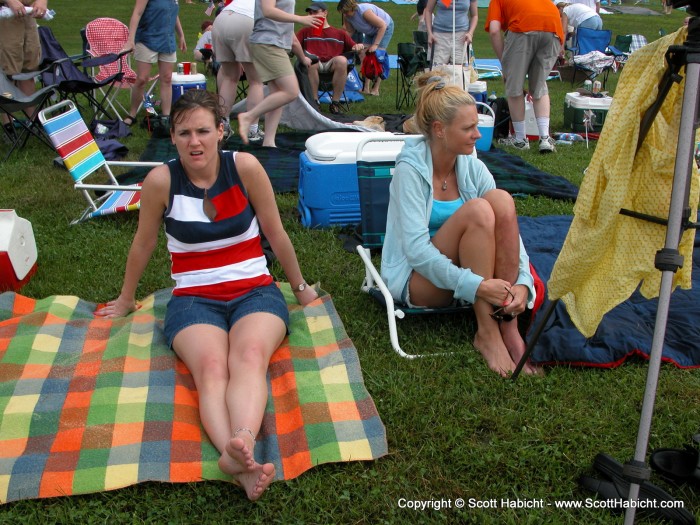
{"x": 455, "y": 430}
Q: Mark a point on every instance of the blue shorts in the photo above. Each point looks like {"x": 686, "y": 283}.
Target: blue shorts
{"x": 184, "y": 311}
{"x": 368, "y": 40}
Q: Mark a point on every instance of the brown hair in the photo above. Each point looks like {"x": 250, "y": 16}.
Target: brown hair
{"x": 346, "y": 6}
{"x": 194, "y": 99}
{"x": 437, "y": 100}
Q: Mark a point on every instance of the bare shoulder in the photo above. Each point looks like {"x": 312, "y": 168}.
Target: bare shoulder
{"x": 249, "y": 169}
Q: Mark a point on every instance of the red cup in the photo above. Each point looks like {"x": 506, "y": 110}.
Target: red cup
{"x": 186, "y": 66}
{"x": 318, "y": 30}
{"x": 207, "y": 46}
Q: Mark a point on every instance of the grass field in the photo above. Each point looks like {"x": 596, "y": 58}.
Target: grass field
{"x": 455, "y": 430}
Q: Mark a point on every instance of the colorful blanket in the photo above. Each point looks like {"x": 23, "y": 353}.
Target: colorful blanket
{"x": 89, "y": 404}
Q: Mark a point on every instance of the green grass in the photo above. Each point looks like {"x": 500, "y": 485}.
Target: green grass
{"x": 455, "y": 430}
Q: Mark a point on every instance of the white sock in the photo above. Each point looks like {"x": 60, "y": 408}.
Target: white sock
{"x": 519, "y": 129}
{"x": 543, "y": 126}
{"x": 253, "y": 128}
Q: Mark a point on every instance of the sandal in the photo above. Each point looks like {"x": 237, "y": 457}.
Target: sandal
{"x": 129, "y": 120}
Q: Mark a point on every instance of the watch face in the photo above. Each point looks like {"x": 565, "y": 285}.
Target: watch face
{"x": 302, "y": 287}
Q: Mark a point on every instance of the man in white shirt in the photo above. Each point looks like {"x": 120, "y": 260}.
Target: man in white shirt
{"x": 593, "y": 4}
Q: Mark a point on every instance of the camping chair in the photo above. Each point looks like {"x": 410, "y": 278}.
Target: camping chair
{"x": 21, "y": 111}
{"x": 72, "y": 81}
{"x": 620, "y": 49}
{"x": 587, "y": 42}
{"x": 82, "y": 157}
{"x": 373, "y": 179}
{"x": 105, "y": 36}
{"x": 411, "y": 60}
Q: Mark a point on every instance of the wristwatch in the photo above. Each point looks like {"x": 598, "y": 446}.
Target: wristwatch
{"x": 301, "y": 287}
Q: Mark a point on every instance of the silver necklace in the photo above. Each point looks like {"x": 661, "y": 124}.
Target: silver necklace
{"x": 444, "y": 183}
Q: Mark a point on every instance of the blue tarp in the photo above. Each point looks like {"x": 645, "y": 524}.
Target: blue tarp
{"x": 627, "y": 329}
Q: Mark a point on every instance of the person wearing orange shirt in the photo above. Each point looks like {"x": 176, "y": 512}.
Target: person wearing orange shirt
{"x": 527, "y": 37}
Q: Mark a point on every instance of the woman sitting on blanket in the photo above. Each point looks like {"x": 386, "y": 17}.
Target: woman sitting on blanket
{"x": 226, "y": 316}
{"x": 451, "y": 235}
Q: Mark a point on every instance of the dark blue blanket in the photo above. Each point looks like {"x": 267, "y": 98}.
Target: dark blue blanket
{"x": 626, "y": 330}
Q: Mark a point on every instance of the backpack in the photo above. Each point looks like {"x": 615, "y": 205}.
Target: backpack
{"x": 501, "y": 126}
{"x": 371, "y": 68}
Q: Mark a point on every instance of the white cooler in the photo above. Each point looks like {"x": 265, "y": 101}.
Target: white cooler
{"x": 18, "y": 252}
{"x": 182, "y": 83}
{"x": 328, "y": 191}
{"x": 578, "y": 107}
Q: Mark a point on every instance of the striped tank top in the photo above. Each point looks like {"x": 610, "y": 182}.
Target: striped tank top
{"x": 220, "y": 259}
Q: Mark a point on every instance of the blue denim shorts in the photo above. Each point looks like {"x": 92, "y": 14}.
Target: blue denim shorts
{"x": 184, "y": 311}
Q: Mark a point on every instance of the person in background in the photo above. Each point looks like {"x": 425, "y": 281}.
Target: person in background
{"x": 204, "y": 49}
{"x": 20, "y": 49}
{"x": 272, "y": 39}
{"x": 330, "y": 47}
{"x": 152, "y": 29}
{"x": 527, "y": 37}
{"x": 449, "y": 40}
{"x": 226, "y": 316}
{"x": 451, "y": 235}
{"x": 593, "y": 4}
{"x": 374, "y": 24}
{"x": 577, "y": 15}
{"x": 419, "y": 14}
{"x": 231, "y": 33}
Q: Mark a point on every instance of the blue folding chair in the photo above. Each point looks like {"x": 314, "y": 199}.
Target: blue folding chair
{"x": 588, "y": 40}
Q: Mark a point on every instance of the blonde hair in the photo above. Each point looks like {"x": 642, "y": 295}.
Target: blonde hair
{"x": 437, "y": 100}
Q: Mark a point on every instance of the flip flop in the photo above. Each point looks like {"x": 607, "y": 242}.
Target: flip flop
{"x": 676, "y": 465}
{"x": 613, "y": 471}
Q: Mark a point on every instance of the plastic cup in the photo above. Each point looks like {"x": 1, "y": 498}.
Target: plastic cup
{"x": 207, "y": 46}
{"x": 318, "y": 30}
{"x": 186, "y": 68}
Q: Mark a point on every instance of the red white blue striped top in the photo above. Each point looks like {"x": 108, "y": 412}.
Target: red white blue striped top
{"x": 220, "y": 259}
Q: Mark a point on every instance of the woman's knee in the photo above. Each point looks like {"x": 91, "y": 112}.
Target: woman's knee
{"x": 501, "y": 202}
{"x": 248, "y": 358}
{"x": 477, "y": 213}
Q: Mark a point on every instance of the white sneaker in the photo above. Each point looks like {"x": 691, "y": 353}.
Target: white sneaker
{"x": 256, "y": 136}
{"x": 547, "y": 145}
{"x": 514, "y": 143}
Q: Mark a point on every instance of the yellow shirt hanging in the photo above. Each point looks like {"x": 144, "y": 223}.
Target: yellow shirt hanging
{"x": 606, "y": 255}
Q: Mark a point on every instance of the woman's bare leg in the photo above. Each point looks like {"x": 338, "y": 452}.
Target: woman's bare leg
{"x": 468, "y": 239}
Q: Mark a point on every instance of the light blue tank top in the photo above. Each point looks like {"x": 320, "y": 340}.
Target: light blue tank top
{"x": 440, "y": 212}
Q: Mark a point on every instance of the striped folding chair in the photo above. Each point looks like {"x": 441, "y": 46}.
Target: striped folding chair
{"x": 82, "y": 157}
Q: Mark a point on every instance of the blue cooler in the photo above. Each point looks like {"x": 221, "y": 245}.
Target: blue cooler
{"x": 182, "y": 83}
{"x": 328, "y": 190}
{"x": 478, "y": 91}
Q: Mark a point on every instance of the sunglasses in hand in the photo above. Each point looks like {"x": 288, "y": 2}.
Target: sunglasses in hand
{"x": 499, "y": 315}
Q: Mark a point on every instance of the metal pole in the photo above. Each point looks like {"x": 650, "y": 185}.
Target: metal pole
{"x": 678, "y": 213}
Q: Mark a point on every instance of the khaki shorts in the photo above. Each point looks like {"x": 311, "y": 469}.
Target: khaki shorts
{"x": 443, "y": 48}
{"x": 271, "y": 62}
{"x": 532, "y": 54}
{"x": 230, "y": 35}
{"x": 20, "y": 50}
{"x": 143, "y": 54}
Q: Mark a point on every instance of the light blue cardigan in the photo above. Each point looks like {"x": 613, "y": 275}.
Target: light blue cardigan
{"x": 407, "y": 243}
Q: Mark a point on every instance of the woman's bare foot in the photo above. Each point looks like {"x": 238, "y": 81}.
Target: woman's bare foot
{"x": 495, "y": 353}
{"x": 516, "y": 346}
{"x": 244, "y": 123}
{"x": 237, "y": 458}
{"x": 256, "y": 481}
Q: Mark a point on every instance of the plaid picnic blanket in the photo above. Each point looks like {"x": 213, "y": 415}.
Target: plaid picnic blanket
{"x": 90, "y": 404}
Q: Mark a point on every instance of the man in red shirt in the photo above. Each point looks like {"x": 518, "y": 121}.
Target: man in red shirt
{"x": 329, "y": 44}
{"x": 527, "y": 37}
